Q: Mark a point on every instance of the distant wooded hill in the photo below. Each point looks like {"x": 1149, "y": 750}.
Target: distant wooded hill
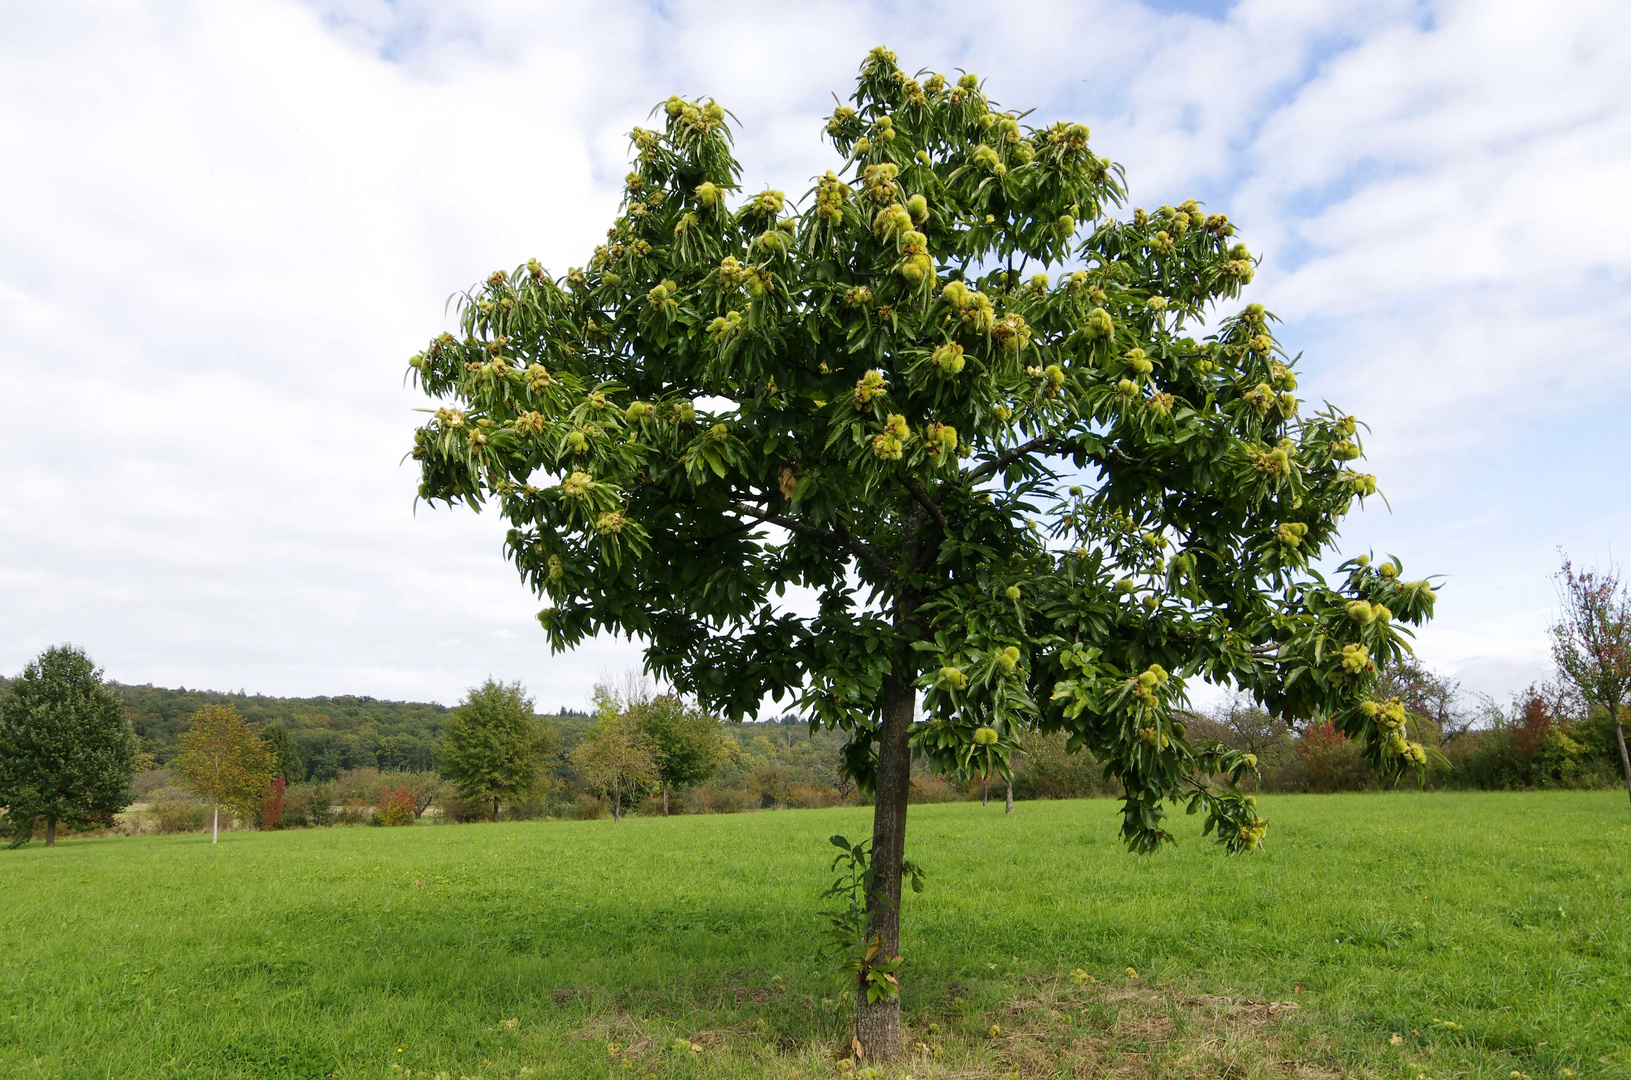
{"x": 332, "y": 733}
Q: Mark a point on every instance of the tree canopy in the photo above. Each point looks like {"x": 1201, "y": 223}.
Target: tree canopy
{"x": 224, "y": 760}
{"x": 684, "y": 739}
{"x": 1591, "y": 644}
{"x": 495, "y": 745}
{"x": 66, "y": 751}
{"x": 286, "y": 761}
{"x": 1003, "y": 440}
{"x": 617, "y": 757}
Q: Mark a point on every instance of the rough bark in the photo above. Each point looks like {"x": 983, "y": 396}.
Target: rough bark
{"x": 51, "y": 823}
{"x": 665, "y": 798}
{"x": 617, "y": 801}
{"x": 1010, "y": 807}
{"x": 1625, "y": 759}
{"x": 215, "y": 825}
{"x": 877, "y": 1024}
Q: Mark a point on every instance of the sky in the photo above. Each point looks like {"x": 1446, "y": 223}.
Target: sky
{"x": 228, "y": 223}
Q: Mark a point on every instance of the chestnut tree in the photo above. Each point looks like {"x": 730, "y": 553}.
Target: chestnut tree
{"x": 1014, "y": 458}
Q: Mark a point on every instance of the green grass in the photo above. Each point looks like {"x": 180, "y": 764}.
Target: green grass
{"x": 363, "y": 952}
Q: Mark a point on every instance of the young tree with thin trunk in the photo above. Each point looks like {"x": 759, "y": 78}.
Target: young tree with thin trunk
{"x": 67, "y": 753}
{"x": 1591, "y": 644}
{"x": 495, "y": 746}
{"x": 685, "y": 741}
{"x": 617, "y": 756}
{"x": 1029, "y": 500}
{"x": 1008, "y": 778}
{"x": 226, "y": 761}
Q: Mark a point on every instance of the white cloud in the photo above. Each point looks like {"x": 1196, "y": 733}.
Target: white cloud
{"x": 237, "y": 219}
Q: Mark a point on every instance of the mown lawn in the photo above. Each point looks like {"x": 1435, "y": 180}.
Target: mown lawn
{"x": 1477, "y": 935}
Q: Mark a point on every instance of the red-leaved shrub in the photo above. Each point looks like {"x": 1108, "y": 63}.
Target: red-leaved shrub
{"x": 1332, "y": 760}
{"x": 271, "y": 809}
{"x": 396, "y": 806}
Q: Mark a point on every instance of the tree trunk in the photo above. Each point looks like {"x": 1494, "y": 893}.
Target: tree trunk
{"x": 1625, "y": 760}
{"x": 665, "y": 798}
{"x": 1010, "y": 807}
{"x": 877, "y": 1024}
{"x": 985, "y": 791}
{"x": 495, "y": 808}
{"x": 215, "y": 825}
{"x": 51, "y": 822}
{"x": 617, "y": 801}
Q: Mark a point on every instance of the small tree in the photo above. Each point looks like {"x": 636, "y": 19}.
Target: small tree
{"x": 67, "y": 753}
{"x": 397, "y": 806}
{"x": 495, "y": 745}
{"x": 617, "y": 755}
{"x": 1027, "y": 501}
{"x": 427, "y": 792}
{"x": 224, "y": 760}
{"x": 1427, "y": 695}
{"x": 1242, "y": 724}
{"x": 271, "y": 807}
{"x": 685, "y": 741}
{"x": 1591, "y": 644}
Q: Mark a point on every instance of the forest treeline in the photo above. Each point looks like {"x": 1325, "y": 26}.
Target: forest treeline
{"x": 1543, "y": 737}
{"x": 354, "y": 754}
{"x": 333, "y": 735}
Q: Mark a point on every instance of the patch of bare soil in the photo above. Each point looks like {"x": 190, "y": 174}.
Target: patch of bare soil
{"x": 1054, "y": 1028}
{"x": 1050, "y": 1028}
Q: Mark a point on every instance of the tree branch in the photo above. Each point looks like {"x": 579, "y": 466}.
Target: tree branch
{"x": 1008, "y": 457}
{"x": 922, "y": 496}
{"x": 864, "y": 551}
{"x": 787, "y": 523}
{"x": 841, "y": 537}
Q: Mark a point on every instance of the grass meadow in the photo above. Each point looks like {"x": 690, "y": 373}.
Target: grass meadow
{"x": 1408, "y": 935}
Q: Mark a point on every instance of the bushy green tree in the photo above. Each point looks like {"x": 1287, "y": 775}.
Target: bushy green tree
{"x": 67, "y": 754}
{"x": 684, "y": 740}
{"x": 225, "y": 760}
{"x": 285, "y": 755}
{"x": 953, "y": 396}
{"x": 495, "y": 745}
